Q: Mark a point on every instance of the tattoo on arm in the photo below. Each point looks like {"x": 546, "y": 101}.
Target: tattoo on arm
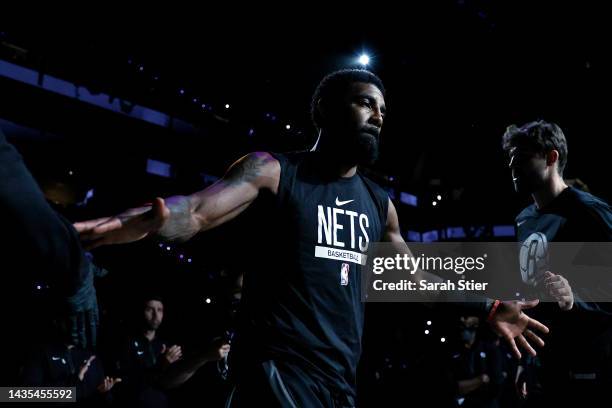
{"x": 180, "y": 225}
{"x": 246, "y": 169}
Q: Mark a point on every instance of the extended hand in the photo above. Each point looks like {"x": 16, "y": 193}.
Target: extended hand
{"x": 132, "y": 225}
{"x": 511, "y": 323}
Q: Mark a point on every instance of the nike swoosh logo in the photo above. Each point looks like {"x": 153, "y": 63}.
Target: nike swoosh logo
{"x": 518, "y": 224}
{"x": 341, "y": 203}
{"x": 55, "y": 358}
{"x": 140, "y": 353}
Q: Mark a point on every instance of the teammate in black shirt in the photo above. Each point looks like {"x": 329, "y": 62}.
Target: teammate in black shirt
{"x": 581, "y": 330}
{"x": 300, "y": 338}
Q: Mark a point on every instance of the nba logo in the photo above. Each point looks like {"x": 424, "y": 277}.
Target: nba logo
{"x": 344, "y": 274}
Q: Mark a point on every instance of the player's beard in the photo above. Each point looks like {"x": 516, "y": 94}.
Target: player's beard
{"x": 363, "y": 150}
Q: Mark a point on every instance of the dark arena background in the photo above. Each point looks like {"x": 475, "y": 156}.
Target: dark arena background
{"x": 109, "y": 116}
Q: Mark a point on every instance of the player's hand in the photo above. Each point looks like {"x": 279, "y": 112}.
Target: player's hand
{"x": 171, "y": 355}
{"x": 512, "y": 324}
{"x": 108, "y": 384}
{"x": 559, "y": 289}
{"x": 131, "y": 225}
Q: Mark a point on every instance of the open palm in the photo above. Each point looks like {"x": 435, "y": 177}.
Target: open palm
{"x": 516, "y": 327}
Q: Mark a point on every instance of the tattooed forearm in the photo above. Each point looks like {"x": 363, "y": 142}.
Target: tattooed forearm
{"x": 221, "y": 201}
{"x": 180, "y": 226}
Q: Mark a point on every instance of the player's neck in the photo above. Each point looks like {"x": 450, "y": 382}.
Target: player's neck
{"x": 337, "y": 168}
{"x": 549, "y": 192}
{"x": 334, "y": 163}
{"x": 149, "y": 334}
{"x": 347, "y": 170}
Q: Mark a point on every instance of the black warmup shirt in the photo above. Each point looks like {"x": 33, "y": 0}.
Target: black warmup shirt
{"x": 573, "y": 216}
{"x": 302, "y": 298}
{"x": 581, "y": 336}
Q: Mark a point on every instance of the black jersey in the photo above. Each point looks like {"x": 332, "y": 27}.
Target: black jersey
{"x": 580, "y": 335}
{"x": 573, "y": 216}
{"x": 302, "y": 297}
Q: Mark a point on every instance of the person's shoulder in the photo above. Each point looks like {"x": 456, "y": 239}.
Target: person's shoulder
{"x": 588, "y": 199}
{"x": 583, "y": 202}
{"x": 374, "y": 184}
{"x": 527, "y": 212}
{"x": 587, "y": 203}
{"x": 260, "y": 158}
{"x": 374, "y": 179}
{"x": 378, "y": 192}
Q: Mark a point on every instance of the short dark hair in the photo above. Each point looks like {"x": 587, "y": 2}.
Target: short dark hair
{"x": 151, "y": 296}
{"x": 335, "y": 86}
{"x": 539, "y": 136}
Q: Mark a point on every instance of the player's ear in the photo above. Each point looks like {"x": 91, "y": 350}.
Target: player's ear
{"x": 552, "y": 157}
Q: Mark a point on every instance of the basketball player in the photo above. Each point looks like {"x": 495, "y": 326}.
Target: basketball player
{"x": 302, "y": 316}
